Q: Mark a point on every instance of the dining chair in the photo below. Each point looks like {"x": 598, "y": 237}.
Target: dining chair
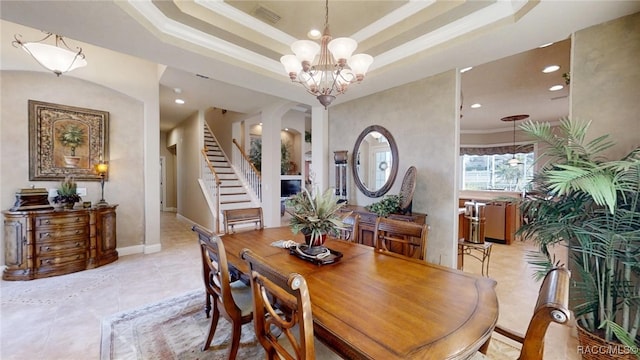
{"x": 231, "y": 299}
{"x": 403, "y": 237}
{"x": 282, "y": 315}
{"x": 552, "y": 306}
{"x": 234, "y": 217}
{"x": 350, "y": 232}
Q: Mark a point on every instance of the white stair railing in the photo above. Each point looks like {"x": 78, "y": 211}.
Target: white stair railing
{"x": 249, "y": 172}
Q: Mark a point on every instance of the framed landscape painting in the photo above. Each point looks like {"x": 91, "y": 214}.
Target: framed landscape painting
{"x": 66, "y": 140}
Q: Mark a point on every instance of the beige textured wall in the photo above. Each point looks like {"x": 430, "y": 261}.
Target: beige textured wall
{"x": 125, "y": 185}
{"x": 187, "y": 137}
{"x": 605, "y": 81}
{"x": 422, "y": 119}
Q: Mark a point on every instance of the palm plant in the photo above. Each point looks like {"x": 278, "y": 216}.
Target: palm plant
{"x": 592, "y": 206}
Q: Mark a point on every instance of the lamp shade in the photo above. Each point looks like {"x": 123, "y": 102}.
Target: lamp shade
{"x": 360, "y": 63}
{"x": 54, "y": 58}
{"x": 305, "y": 50}
{"x": 342, "y": 48}
{"x": 102, "y": 168}
{"x": 291, "y": 64}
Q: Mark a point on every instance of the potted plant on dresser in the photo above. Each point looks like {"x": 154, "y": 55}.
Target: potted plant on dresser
{"x": 592, "y": 206}
{"x": 67, "y": 193}
{"x": 315, "y": 215}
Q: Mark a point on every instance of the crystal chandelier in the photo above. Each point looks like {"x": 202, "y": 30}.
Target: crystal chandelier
{"x": 54, "y": 58}
{"x": 335, "y": 69}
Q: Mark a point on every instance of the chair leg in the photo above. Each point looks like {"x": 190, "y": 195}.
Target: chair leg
{"x": 212, "y": 327}
{"x": 207, "y": 307}
{"x": 235, "y": 339}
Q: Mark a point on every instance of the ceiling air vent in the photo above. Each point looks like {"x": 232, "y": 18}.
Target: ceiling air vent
{"x": 265, "y": 14}
{"x": 202, "y": 76}
{"x": 559, "y": 97}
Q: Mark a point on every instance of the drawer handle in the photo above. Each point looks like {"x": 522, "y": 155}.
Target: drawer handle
{"x": 77, "y": 244}
{"x": 47, "y": 248}
{"x": 78, "y": 257}
{"x": 77, "y": 231}
{"x": 48, "y": 261}
{"x": 77, "y": 219}
{"x": 47, "y": 235}
{"x": 47, "y": 222}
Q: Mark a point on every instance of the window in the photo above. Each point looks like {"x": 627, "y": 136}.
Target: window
{"x": 492, "y": 172}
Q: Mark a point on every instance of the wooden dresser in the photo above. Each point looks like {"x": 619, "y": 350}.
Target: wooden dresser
{"x": 368, "y": 222}
{"x": 55, "y": 242}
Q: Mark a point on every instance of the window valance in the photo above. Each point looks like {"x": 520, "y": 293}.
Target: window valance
{"x": 496, "y": 150}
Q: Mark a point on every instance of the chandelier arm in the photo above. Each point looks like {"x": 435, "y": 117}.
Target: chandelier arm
{"x": 61, "y": 39}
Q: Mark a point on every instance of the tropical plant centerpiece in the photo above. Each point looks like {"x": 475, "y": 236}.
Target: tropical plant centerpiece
{"x": 592, "y": 206}
{"x": 67, "y": 193}
{"x": 315, "y": 215}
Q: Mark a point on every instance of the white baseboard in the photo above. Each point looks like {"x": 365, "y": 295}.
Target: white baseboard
{"x": 130, "y": 250}
{"x": 170, "y": 209}
{"x": 139, "y": 249}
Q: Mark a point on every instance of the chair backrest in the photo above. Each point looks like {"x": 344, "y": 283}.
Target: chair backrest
{"x": 215, "y": 270}
{"x": 281, "y": 304}
{"x": 350, "y": 232}
{"x": 552, "y": 306}
{"x": 402, "y": 237}
{"x": 242, "y": 216}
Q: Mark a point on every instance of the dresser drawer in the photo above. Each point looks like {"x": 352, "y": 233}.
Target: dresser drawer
{"x": 44, "y": 235}
{"x": 71, "y": 246}
{"x": 43, "y": 221}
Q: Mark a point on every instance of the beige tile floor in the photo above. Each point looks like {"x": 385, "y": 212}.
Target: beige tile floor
{"x": 59, "y": 317}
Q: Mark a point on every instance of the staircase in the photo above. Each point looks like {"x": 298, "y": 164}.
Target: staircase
{"x": 231, "y": 191}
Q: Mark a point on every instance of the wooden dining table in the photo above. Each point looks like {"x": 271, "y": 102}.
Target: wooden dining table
{"x": 373, "y": 305}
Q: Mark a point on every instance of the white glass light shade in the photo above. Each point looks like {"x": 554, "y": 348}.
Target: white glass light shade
{"x": 360, "y": 63}
{"x": 291, "y": 64}
{"x": 342, "y": 48}
{"x": 54, "y": 58}
{"x": 513, "y": 162}
{"x": 305, "y": 50}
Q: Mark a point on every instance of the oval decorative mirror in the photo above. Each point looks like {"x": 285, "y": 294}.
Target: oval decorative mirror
{"x": 375, "y": 161}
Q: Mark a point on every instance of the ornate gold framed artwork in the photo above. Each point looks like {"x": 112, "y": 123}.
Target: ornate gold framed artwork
{"x": 66, "y": 140}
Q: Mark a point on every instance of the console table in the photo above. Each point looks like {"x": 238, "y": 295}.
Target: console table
{"x": 47, "y": 243}
{"x": 367, "y": 223}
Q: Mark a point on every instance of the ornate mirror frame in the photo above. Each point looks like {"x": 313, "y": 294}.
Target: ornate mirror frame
{"x": 394, "y": 165}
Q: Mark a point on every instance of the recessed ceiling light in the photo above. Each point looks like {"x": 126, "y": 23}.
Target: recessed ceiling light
{"x": 286, "y": 129}
{"x": 463, "y": 70}
{"x": 476, "y": 105}
{"x": 556, "y": 88}
{"x": 550, "y": 69}
{"x": 179, "y": 101}
{"x": 314, "y": 34}
{"x": 177, "y": 90}
{"x": 260, "y": 124}
{"x": 545, "y": 45}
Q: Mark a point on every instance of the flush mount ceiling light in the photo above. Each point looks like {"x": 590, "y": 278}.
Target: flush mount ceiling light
{"x": 335, "y": 68}
{"x": 513, "y": 161}
{"x": 464, "y": 70}
{"x": 58, "y": 58}
{"x": 556, "y": 88}
{"x": 550, "y": 69}
{"x": 476, "y": 106}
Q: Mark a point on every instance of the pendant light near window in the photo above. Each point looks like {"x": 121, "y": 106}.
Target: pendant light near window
{"x": 58, "y": 58}
{"x": 513, "y": 118}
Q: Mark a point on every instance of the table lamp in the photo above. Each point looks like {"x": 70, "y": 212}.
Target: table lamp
{"x": 102, "y": 168}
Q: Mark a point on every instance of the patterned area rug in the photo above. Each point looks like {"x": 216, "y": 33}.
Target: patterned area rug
{"x": 172, "y": 329}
